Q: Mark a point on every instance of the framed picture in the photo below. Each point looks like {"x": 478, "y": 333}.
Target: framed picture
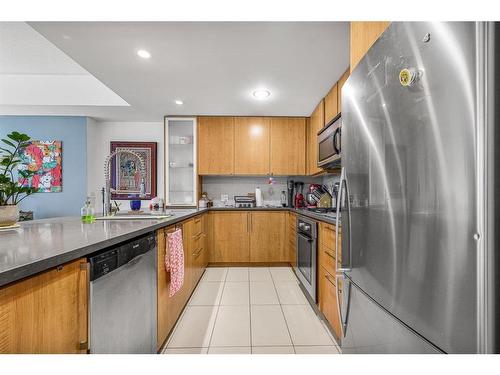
{"x": 126, "y": 173}
{"x": 45, "y": 159}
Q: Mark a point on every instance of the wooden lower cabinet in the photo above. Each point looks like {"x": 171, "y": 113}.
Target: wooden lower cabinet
{"x": 46, "y": 313}
{"x": 267, "y": 237}
{"x": 249, "y": 237}
{"x": 292, "y": 238}
{"x": 195, "y": 261}
{"x": 328, "y": 299}
{"x": 327, "y": 268}
{"x": 231, "y": 241}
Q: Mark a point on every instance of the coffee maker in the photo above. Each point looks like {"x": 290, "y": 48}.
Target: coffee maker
{"x": 290, "y": 186}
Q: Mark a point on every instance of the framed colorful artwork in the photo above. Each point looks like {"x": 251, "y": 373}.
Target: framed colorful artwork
{"x": 45, "y": 159}
{"x": 125, "y": 170}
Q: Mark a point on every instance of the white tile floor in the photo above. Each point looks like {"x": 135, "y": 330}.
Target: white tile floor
{"x": 240, "y": 310}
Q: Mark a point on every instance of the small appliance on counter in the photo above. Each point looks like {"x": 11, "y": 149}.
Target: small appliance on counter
{"x": 311, "y": 197}
{"x": 299, "y": 197}
{"x": 258, "y": 197}
{"x": 290, "y": 186}
{"x": 244, "y": 201}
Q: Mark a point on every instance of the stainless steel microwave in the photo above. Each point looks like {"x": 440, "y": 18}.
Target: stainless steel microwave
{"x": 329, "y": 143}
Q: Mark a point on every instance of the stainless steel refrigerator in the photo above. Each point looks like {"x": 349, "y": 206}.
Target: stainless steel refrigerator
{"x": 418, "y": 192}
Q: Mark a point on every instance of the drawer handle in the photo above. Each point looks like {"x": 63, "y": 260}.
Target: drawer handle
{"x": 197, "y": 236}
{"x": 329, "y": 280}
{"x": 329, "y": 254}
{"x": 197, "y": 220}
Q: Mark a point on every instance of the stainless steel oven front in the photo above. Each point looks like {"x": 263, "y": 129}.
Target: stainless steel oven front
{"x": 306, "y": 267}
{"x": 329, "y": 143}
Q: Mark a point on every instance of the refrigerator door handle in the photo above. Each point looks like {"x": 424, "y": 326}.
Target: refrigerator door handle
{"x": 343, "y": 266}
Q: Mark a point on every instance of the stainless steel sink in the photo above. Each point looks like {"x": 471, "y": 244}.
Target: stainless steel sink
{"x": 136, "y": 217}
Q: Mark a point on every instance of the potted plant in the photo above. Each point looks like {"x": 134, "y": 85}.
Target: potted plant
{"x": 11, "y": 192}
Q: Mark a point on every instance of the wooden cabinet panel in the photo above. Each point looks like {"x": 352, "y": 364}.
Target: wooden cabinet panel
{"x": 267, "y": 237}
{"x": 327, "y": 235}
{"x": 215, "y": 145}
{"x": 292, "y": 238}
{"x": 328, "y": 299}
{"x": 340, "y": 84}
{"x": 288, "y": 146}
{"x": 170, "y": 308}
{"x": 251, "y": 145}
{"x": 326, "y": 250}
{"x": 46, "y": 313}
{"x": 230, "y": 237}
{"x": 316, "y": 123}
{"x": 362, "y": 37}
{"x": 331, "y": 104}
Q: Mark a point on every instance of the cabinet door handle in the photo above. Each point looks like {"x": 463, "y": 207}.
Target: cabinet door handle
{"x": 83, "y": 345}
{"x": 329, "y": 280}
{"x": 329, "y": 254}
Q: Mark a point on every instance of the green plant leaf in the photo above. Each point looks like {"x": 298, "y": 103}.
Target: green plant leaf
{"x": 16, "y": 136}
{"x": 9, "y": 142}
{"x": 7, "y": 151}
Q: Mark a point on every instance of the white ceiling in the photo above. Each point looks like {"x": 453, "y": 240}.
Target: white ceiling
{"x": 212, "y": 66}
{"x": 34, "y": 72}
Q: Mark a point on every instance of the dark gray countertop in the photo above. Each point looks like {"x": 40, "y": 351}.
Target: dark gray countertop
{"x": 41, "y": 244}
{"x": 314, "y": 215}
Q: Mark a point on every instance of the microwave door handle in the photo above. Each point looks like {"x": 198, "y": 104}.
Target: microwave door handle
{"x": 334, "y": 140}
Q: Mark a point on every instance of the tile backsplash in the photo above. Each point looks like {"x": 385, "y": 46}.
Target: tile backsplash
{"x": 215, "y": 186}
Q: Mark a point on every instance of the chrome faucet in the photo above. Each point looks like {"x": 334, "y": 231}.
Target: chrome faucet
{"x": 107, "y": 177}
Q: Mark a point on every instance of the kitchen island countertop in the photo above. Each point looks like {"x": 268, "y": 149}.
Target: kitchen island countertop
{"x": 41, "y": 244}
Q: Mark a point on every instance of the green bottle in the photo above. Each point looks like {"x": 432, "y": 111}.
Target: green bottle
{"x": 87, "y": 212}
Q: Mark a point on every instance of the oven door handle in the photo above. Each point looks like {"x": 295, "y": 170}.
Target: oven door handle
{"x": 308, "y": 239}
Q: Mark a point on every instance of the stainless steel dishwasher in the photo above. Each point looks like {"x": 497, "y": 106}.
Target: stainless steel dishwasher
{"x": 123, "y": 298}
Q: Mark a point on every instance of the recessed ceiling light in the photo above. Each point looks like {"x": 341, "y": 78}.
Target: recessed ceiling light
{"x": 261, "y": 94}
{"x": 179, "y": 102}
{"x": 144, "y": 54}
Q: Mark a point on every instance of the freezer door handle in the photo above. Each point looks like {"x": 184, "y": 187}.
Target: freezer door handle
{"x": 346, "y": 293}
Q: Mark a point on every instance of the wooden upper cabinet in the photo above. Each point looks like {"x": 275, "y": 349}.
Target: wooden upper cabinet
{"x": 46, "y": 313}
{"x": 331, "y": 104}
{"x": 340, "y": 84}
{"x": 268, "y": 237}
{"x": 251, "y": 145}
{"x": 316, "y": 123}
{"x": 363, "y": 35}
{"x": 288, "y": 146}
{"x": 230, "y": 236}
{"x": 215, "y": 145}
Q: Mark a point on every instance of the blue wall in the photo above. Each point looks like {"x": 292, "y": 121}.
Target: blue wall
{"x": 72, "y": 131}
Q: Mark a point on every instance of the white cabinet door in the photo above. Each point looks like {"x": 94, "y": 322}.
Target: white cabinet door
{"x": 180, "y": 161}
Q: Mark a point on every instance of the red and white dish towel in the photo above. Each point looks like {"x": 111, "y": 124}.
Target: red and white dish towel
{"x": 174, "y": 260}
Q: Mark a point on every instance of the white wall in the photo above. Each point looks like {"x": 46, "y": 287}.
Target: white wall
{"x": 99, "y": 136}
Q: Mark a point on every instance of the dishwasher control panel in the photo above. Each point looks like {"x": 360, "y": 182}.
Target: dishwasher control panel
{"x": 109, "y": 260}
{"x": 103, "y": 263}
